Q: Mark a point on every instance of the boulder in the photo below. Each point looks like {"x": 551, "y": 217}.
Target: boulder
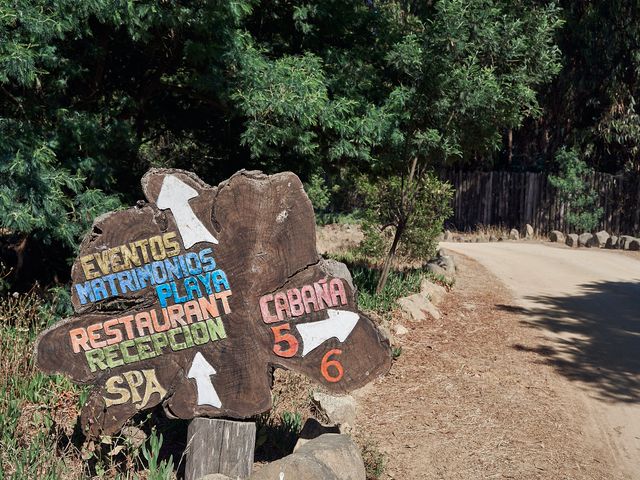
{"x": 333, "y": 268}
{"x": 572, "y": 240}
{"x": 634, "y": 244}
{"x": 599, "y": 239}
{"x": 311, "y": 429}
{"x": 329, "y": 457}
{"x": 400, "y": 330}
{"x": 514, "y": 235}
{"x": 528, "y": 229}
{"x": 493, "y": 238}
{"x": 624, "y": 241}
{"x": 442, "y": 264}
{"x": 339, "y": 410}
{"x": 556, "y": 236}
{"x": 612, "y": 242}
{"x": 584, "y": 240}
{"x": 417, "y": 307}
{"x": 435, "y": 292}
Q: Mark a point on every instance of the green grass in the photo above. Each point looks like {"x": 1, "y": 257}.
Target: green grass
{"x": 276, "y": 437}
{"x": 29, "y": 400}
{"x": 38, "y": 412}
{"x": 399, "y": 284}
{"x": 365, "y": 277}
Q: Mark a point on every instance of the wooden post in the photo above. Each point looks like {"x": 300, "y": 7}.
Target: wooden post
{"x": 220, "y": 446}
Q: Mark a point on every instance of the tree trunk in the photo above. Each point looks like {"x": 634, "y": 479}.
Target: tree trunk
{"x": 389, "y": 260}
{"x": 406, "y": 212}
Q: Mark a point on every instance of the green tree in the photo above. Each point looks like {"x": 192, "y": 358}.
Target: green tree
{"x": 592, "y": 104}
{"x": 464, "y": 71}
{"x": 575, "y": 191}
{"x": 430, "y": 201}
{"x": 93, "y": 93}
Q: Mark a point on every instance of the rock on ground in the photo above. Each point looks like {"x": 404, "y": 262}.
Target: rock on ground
{"x": 400, "y": 330}
{"x": 572, "y": 240}
{"x": 329, "y": 457}
{"x": 612, "y": 242}
{"x": 528, "y": 231}
{"x": 435, "y": 292}
{"x": 634, "y": 244}
{"x": 624, "y": 241}
{"x": 339, "y": 410}
{"x": 493, "y": 238}
{"x": 556, "y": 236}
{"x": 417, "y": 306}
{"x": 514, "y": 235}
{"x": 313, "y": 429}
{"x": 442, "y": 265}
{"x": 584, "y": 240}
{"x": 599, "y": 239}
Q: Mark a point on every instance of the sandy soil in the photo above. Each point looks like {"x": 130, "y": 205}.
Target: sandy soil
{"x": 584, "y": 304}
{"x": 471, "y": 397}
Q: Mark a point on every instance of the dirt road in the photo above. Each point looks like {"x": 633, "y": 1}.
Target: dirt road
{"x": 586, "y": 304}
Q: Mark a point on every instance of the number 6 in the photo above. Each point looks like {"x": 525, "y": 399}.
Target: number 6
{"x": 326, "y": 363}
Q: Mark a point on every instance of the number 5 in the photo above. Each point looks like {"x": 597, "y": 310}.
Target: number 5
{"x": 290, "y": 340}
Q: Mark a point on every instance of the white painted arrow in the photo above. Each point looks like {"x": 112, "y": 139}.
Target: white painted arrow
{"x": 175, "y": 195}
{"x": 339, "y": 324}
{"x": 201, "y": 371}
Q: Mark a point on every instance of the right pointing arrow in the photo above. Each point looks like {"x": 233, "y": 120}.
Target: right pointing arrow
{"x": 201, "y": 371}
{"x": 339, "y": 324}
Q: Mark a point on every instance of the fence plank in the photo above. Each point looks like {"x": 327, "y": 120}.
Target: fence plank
{"x": 510, "y": 199}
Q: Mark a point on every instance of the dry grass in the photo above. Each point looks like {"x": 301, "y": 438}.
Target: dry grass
{"x": 482, "y": 233}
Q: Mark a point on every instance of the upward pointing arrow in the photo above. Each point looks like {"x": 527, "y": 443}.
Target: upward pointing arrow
{"x": 339, "y": 324}
{"x": 175, "y": 195}
{"x": 201, "y": 371}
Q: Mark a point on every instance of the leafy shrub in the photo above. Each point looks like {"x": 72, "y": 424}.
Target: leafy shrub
{"x": 573, "y": 189}
{"x": 386, "y": 212}
{"x": 318, "y": 192}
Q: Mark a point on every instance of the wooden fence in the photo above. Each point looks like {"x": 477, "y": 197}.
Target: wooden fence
{"x": 511, "y": 200}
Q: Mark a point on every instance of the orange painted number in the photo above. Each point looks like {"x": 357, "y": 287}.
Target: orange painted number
{"x": 326, "y": 363}
{"x": 290, "y": 340}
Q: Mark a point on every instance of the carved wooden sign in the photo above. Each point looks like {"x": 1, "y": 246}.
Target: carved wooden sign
{"x": 191, "y": 299}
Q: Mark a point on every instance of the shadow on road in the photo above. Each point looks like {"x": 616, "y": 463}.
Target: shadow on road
{"x": 598, "y": 337}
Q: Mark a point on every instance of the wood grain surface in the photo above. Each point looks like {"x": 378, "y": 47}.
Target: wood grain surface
{"x": 247, "y": 304}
